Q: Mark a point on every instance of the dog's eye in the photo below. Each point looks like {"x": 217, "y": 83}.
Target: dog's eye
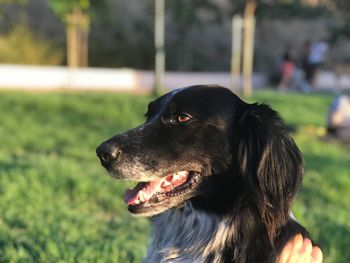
{"x": 183, "y": 117}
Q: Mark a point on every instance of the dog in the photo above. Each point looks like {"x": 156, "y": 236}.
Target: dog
{"x": 217, "y": 175}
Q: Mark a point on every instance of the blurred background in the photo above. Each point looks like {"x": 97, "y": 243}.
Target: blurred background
{"x": 198, "y": 38}
{"x": 75, "y": 72}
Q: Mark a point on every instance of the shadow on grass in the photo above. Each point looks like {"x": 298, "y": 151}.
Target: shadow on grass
{"x": 16, "y": 163}
{"x": 323, "y": 194}
{"x": 324, "y": 163}
{"x": 325, "y": 180}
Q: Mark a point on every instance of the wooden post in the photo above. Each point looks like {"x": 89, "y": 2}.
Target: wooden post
{"x": 248, "y": 48}
{"x": 236, "y": 52}
{"x": 78, "y": 25}
{"x": 84, "y": 25}
{"x": 159, "y": 46}
{"x": 72, "y": 40}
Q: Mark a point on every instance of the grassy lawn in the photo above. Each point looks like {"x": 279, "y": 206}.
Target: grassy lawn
{"x": 58, "y": 205}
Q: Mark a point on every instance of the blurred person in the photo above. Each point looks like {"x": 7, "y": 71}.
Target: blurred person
{"x": 287, "y": 72}
{"x": 316, "y": 58}
{"x": 339, "y": 118}
{"x": 304, "y": 59}
{"x": 305, "y": 68}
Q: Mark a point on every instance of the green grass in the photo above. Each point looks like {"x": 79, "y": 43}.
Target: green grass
{"x": 58, "y": 205}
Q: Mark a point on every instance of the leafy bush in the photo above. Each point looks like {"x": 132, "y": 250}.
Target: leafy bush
{"x": 21, "y": 46}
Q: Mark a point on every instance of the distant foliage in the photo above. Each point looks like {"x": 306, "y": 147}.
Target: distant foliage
{"x": 64, "y": 7}
{"x": 198, "y": 33}
{"x": 21, "y": 46}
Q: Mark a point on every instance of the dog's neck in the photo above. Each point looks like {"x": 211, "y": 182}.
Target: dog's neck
{"x": 188, "y": 235}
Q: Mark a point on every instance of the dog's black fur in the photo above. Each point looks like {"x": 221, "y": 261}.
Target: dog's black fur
{"x": 247, "y": 172}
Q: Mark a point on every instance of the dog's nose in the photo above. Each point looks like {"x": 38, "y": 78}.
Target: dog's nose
{"x": 108, "y": 154}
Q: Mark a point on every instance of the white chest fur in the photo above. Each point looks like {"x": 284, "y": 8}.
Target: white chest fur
{"x": 186, "y": 235}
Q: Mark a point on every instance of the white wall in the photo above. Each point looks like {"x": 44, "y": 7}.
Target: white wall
{"x": 50, "y": 78}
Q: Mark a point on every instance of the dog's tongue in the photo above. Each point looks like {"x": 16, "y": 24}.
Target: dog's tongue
{"x": 144, "y": 191}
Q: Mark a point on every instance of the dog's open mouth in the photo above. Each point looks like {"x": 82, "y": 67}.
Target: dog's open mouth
{"x": 171, "y": 185}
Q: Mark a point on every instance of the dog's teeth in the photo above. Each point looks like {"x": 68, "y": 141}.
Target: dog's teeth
{"x": 137, "y": 202}
{"x": 141, "y": 197}
{"x": 166, "y": 184}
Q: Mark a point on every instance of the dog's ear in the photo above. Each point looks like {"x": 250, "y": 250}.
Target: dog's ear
{"x": 271, "y": 163}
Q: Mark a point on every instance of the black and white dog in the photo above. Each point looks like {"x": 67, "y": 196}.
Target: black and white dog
{"x": 218, "y": 176}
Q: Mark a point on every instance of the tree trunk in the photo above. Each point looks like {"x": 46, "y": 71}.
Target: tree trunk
{"x": 159, "y": 47}
{"x": 84, "y": 40}
{"x": 236, "y": 52}
{"x": 77, "y": 39}
{"x": 248, "y": 46}
{"x": 72, "y": 40}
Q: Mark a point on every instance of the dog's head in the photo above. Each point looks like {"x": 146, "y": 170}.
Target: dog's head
{"x": 206, "y": 145}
